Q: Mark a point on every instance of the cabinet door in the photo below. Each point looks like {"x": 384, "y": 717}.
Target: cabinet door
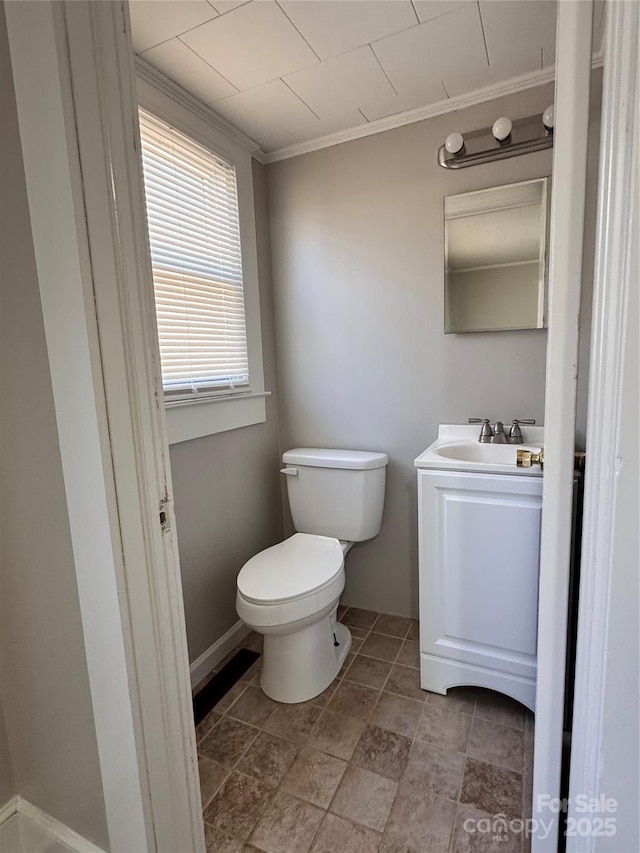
{"x": 479, "y": 559}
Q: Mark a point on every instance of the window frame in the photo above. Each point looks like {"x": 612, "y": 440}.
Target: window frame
{"x": 218, "y": 411}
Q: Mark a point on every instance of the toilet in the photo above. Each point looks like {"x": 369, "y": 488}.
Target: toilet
{"x": 290, "y": 592}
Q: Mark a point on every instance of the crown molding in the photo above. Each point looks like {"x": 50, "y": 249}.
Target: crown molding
{"x": 156, "y": 78}
{"x": 459, "y": 102}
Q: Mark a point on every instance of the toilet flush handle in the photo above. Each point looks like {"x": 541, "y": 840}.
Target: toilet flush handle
{"x": 290, "y": 472}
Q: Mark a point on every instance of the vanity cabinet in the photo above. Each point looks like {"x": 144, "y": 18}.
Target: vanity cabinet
{"x": 479, "y": 554}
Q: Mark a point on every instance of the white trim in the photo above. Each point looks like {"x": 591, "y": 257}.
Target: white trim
{"x": 458, "y": 102}
{"x": 211, "y": 657}
{"x": 56, "y": 830}
{"x": 172, "y": 90}
{"x": 9, "y": 809}
{"x": 187, "y": 419}
{"x": 619, "y": 174}
{"x": 43, "y": 83}
{"x": 565, "y": 282}
{"x": 172, "y": 105}
{"x": 77, "y": 108}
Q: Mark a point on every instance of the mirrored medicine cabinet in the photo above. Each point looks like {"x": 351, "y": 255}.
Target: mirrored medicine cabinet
{"x": 496, "y": 258}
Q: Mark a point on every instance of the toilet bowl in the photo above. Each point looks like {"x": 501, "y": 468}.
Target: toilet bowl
{"x": 290, "y": 594}
{"x": 290, "y": 591}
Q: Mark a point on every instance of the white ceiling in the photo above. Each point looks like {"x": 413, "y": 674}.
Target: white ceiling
{"x": 291, "y": 71}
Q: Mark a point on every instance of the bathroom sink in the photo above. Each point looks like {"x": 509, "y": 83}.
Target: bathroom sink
{"x": 457, "y": 448}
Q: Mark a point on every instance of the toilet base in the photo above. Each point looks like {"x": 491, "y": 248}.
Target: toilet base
{"x": 300, "y": 665}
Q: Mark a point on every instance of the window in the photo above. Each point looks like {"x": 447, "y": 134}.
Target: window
{"x": 194, "y": 234}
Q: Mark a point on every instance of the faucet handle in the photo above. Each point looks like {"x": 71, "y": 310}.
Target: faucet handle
{"x": 486, "y": 433}
{"x": 515, "y": 433}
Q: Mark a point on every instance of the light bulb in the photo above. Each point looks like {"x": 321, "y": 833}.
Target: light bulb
{"x": 454, "y": 142}
{"x": 502, "y": 128}
{"x": 548, "y": 117}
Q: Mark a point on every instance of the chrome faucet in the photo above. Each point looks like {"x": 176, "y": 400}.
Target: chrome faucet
{"x": 498, "y": 434}
{"x": 486, "y": 433}
{"x": 515, "y": 433}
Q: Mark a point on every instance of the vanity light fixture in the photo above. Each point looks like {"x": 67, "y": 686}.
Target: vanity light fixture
{"x": 502, "y": 128}
{"x": 454, "y": 143}
{"x": 505, "y": 138}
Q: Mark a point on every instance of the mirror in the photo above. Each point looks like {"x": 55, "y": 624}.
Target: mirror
{"x": 495, "y": 258}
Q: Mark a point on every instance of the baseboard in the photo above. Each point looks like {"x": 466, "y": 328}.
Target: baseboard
{"x": 209, "y": 659}
{"x": 53, "y": 829}
{"x": 8, "y": 809}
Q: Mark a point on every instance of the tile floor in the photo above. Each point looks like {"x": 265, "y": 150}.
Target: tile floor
{"x": 373, "y": 764}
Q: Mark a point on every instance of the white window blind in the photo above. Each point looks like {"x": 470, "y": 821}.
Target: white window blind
{"x": 194, "y": 232}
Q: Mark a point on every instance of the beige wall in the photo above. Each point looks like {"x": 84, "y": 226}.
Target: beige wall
{"x": 357, "y": 246}
{"x": 227, "y": 489}
{"x": 7, "y": 779}
{"x": 43, "y": 671}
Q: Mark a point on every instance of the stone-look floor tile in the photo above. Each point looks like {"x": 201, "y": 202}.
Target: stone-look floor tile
{"x": 206, "y": 724}
{"x": 293, "y": 722}
{"x": 414, "y": 631}
{"x": 500, "y": 709}
{"x": 230, "y": 697}
{"x": 287, "y": 824}
{"x": 397, "y": 713}
{"x": 368, "y": 671}
{"x": 345, "y": 666}
{"x": 383, "y": 752}
{"x": 323, "y": 698}
{"x": 252, "y": 675}
{"x": 358, "y": 633}
{"x": 353, "y": 700}
{"x": 424, "y": 822}
{"x": 391, "y": 844}
{"x": 461, "y": 699}
{"x": 381, "y": 646}
{"x": 356, "y": 644}
{"x": 395, "y": 626}
{"x": 468, "y": 838}
{"x": 237, "y": 806}
{"x": 220, "y": 842}
{"x": 268, "y": 759}
{"x": 337, "y": 835}
{"x": 336, "y": 734}
{"x": 435, "y": 771}
{"x": 405, "y": 681}
{"x": 357, "y": 618}
{"x": 409, "y": 654}
{"x": 446, "y": 729}
{"x": 212, "y": 775}
{"x": 364, "y": 797}
{"x": 253, "y": 707}
{"x": 496, "y": 744}
{"x": 491, "y": 789}
{"x": 227, "y": 741}
{"x": 314, "y": 777}
{"x": 341, "y": 611}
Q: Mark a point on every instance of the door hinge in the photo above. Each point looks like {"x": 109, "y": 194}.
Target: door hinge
{"x": 163, "y": 514}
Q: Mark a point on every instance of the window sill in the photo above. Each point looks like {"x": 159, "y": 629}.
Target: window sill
{"x": 197, "y": 418}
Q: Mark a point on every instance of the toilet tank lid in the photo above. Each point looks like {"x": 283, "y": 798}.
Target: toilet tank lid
{"x": 317, "y": 457}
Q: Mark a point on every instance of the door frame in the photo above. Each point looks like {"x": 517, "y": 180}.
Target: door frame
{"x": 573, "y": 75}
{"x": 74, "y": 77}
{"x": 77, "y": 111}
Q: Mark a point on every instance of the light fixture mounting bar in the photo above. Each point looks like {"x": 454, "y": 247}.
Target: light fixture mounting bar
{"x": 527, "y": 135}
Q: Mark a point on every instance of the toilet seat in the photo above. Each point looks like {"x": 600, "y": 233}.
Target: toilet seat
{"x": 304, "y": 564}
{"x": 290, "y": 582}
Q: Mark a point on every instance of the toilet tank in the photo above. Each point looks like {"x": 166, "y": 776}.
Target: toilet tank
{"x": 337, "y": 493}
